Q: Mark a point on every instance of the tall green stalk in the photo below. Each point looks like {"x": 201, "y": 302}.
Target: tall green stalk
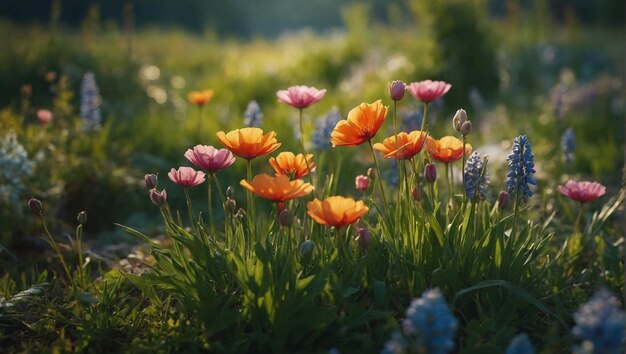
{"x": 380, "y": 180}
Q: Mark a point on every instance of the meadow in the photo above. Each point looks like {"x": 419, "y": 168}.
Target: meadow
{"x": 446, "y": 186}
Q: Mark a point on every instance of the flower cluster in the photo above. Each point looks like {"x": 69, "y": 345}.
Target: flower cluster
{"x": 568, "y": 144}
{"x": 253, "y": 117}
{"x": 600, "y": 324}
{"x": 521, "y": 164}
{"x": 324, "y": 126}
{"x": 14, "y": 168}
{"x": 476, "y": 177}
{"x": 520, "y": 344}
{"x": 90, "y": 103}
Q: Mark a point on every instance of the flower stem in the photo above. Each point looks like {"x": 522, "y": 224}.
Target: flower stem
{"x": 189, "y": 209}
{"x": 250, "y": 200}
{"x": 54, "y": 245}
{"x": 424, "y": 116}
{"x": 463, "y": 167}
{"x": 380, "y": 180}
{"x": 306, "y": 160}
{"x": 210, "y": 202}
{"x": 580, "y": 214}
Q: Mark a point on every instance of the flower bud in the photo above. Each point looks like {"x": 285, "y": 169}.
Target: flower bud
{"x": 158, "y": 198}
{"x": 35, "y": 205}
{"x": 230, "y": 205}
{"x": 307, "y": 248}
{"x": 230, "y": 193}
{"x": 362, "y": 182}
{"x": 417, "y": 193}
{"x": 364, "y": 238}
{"x": 241, "y": 214}
{"x": 151, "y": 180}
{"x": 371, "y": 174}
{"x": 460, "y": 117}
{"x": 396, "y": 90}
{"x": 430, "y": 172}
{"x": 466, "y": 128}
{"x": 82, "y": 217}
{"x": 285, "y": 218}
{"x": 503, "y": 199}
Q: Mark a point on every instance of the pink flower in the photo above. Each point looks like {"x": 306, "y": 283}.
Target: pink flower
{"x": 209, "y": 158}
{"x": 186, "y": 176}
{"x": 428, "y": 90}
{"x": 300, "y": 96}
{"x": 582, "y": 191}
{"x": 158, "y": 198}
{"x": 362, "y": 182}
{"x": 44, "y": 116}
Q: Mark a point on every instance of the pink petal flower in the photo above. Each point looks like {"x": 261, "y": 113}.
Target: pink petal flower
{"x": 428, "y": 90}
{"x": 300, "y": 96}
{"x": 44, "y": 116}
{"x": 186, "y": 176}
{"x": 583, "y": 191}
{"x": 209, "y": 158}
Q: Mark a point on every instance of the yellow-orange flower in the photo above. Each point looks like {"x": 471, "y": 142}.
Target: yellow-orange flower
{"x": 249, "y": 143}
{"x": 294, "y": 166}
{"x": 200, "y": 98}
{"x": 336, "y": 211}
{"x": 447, "y": 149}
{"x": 408, "y": 145}
{"x": 362, "y": 124}
{"x": 278, "y": 189}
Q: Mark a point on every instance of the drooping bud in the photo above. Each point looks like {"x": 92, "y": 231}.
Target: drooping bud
{"x": 417, "y": 193}
{"x": 503, "y": 199}
{"x": 285, "y": 218}
{"x": 307, "y": 248}
{"x": 460, "y": 117}
{"x": 35, "y": 206}
{"x": 430, "y": 172}
{"x": 466, "y": 128}
{"x": 396, "y": 90}
{"x": 151, "y": 180}
{"x": 229, "y": 192}
{"x": 371, "y": 174}
{"x": 362, "y": 182}
{"x": 364, "y": 238}
{"x": 82, "y": 217}
{"x": 230, "y": 205}
{"x": 158, "y": 198}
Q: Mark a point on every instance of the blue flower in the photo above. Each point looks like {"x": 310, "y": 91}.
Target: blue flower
{"x": 568, "y": 144}
{"x": 521, "y": 163}
{"x": 15, "y": 167}
{"x": 397, "y": 344}
{"x": 324, "y": 126}
{"x": 411, "y": 121}
{"x": 476, "y": 177}
{"x": 90, "y": 103}
{"x": 253, "y": 116}
{"x": 520, "y": 344}
{"x": 600, "y": 324}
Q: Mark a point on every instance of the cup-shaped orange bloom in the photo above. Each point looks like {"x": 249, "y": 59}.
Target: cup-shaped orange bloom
{"x": 362, "y": 124}
{"x": 336, "y": 211}
{"x": 249, "y": 143}
{"x": 408, "y": 145}
{"x": 278, "y": 189}
{"x": 200, "y": 98}
{"x": 294, "y": 166}
{"x": 447, "y": 149}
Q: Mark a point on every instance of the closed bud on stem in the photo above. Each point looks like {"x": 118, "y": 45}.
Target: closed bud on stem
{"x": 396, "y": 90}
{"x": 151, "y": 180}
{"x": 230, "y": 205}
{"x": 35, "y": 206}
{"x": 430, "y": 173}
{"x": 306, "y": 248}
{"x": 371, "y": 174}
{"x": 362, "y": 182}
{"x": 460, "y": 117}
{"x": 466, "y": 128}
{"x": 158, "y": 198}
{"x": 285, "y": 218}
{"x": 503, "y": 199}
{"x": 363, "y": 238}
{"x": 417, "y": 193}
{"x": 82, "y": 217}
{"x": 230, "y": 193}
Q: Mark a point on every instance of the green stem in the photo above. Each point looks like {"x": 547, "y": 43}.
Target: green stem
{"x": 463, "y": 167}
{"x": 515, "y": 211}
{"x": 79, "y": 250}
{"x": 306, "y": 160}
{"x": 250, "y": 200}
{"x": 395, "y": 132}
{"x": 54, "y": 245}
{"x": 380, "y": 180}
{"x": 210, "y": 202}
{"x": 189, "y": 209}
{"x": 425, "y": 115}
{"x": 580, "y": 214}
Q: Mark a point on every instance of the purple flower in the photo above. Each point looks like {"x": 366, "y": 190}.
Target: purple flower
{"x": 300, "y": 96}
{"x": 186, "y": 176}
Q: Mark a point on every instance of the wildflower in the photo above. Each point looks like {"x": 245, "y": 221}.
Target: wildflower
{"x": 285, "y": 218}
{"x": 466, "y": 128}
{"x": 430, "y": 172}
{"x": 278, "y": 189}
{"x": 429, "y": 324}
{"x": 300, "y": 96}
{"x": 200, "y": 98}
{"x": 253, "y": 116}
{"x": 503, "y": 199}
{"x": 90, "y": 103}
{"x": 476, "y": 177}
{"x": 15, "y": 167}
{"x": 209, "y": 158}
{"x": 521, "y": 168}
{"x": 396, "y": 90}
{"x": 44, "y": 116}
{"x": 428, "y": 90}
{"x": 336, "y": 211}
{"x": 582, "y": 192}
{"x": 362, "y": 125}
{"x": 460, "y": 117}
{"x": 151, "y": 180}
{"x": 600, "y": 324}
{"x": 294, "y": 166}
{"x": 186, "y": 176}
{"x": 447, "y": 149}
{"x": 568, "y": 144}
{"x": 249, "y": 143}
{"x": 364, "y": 238}
{"x": 82, "y": 217}
{"x": 158, "y": 198}
{"x": 324, "y": 126}
{"x": 35, "y": 205}
{"x": 520, "y": 344}
{"x": 362, "y": 182}
{"x": 229, "y": 192}
{"x": 397, "y": 344}
{"x": 408, "y": 145}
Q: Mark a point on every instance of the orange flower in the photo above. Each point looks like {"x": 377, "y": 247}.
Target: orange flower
{"x": 447, "y": 149}
{"x": 200, "y": 98}
{"x": 336, "y": 211}
{"x": 249, "y": 143}
{"x": 362, "y": 124}
{"x": 278, "y": 189}
{"x": 294, "y": 166}
{"x": 408, "y": 146}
